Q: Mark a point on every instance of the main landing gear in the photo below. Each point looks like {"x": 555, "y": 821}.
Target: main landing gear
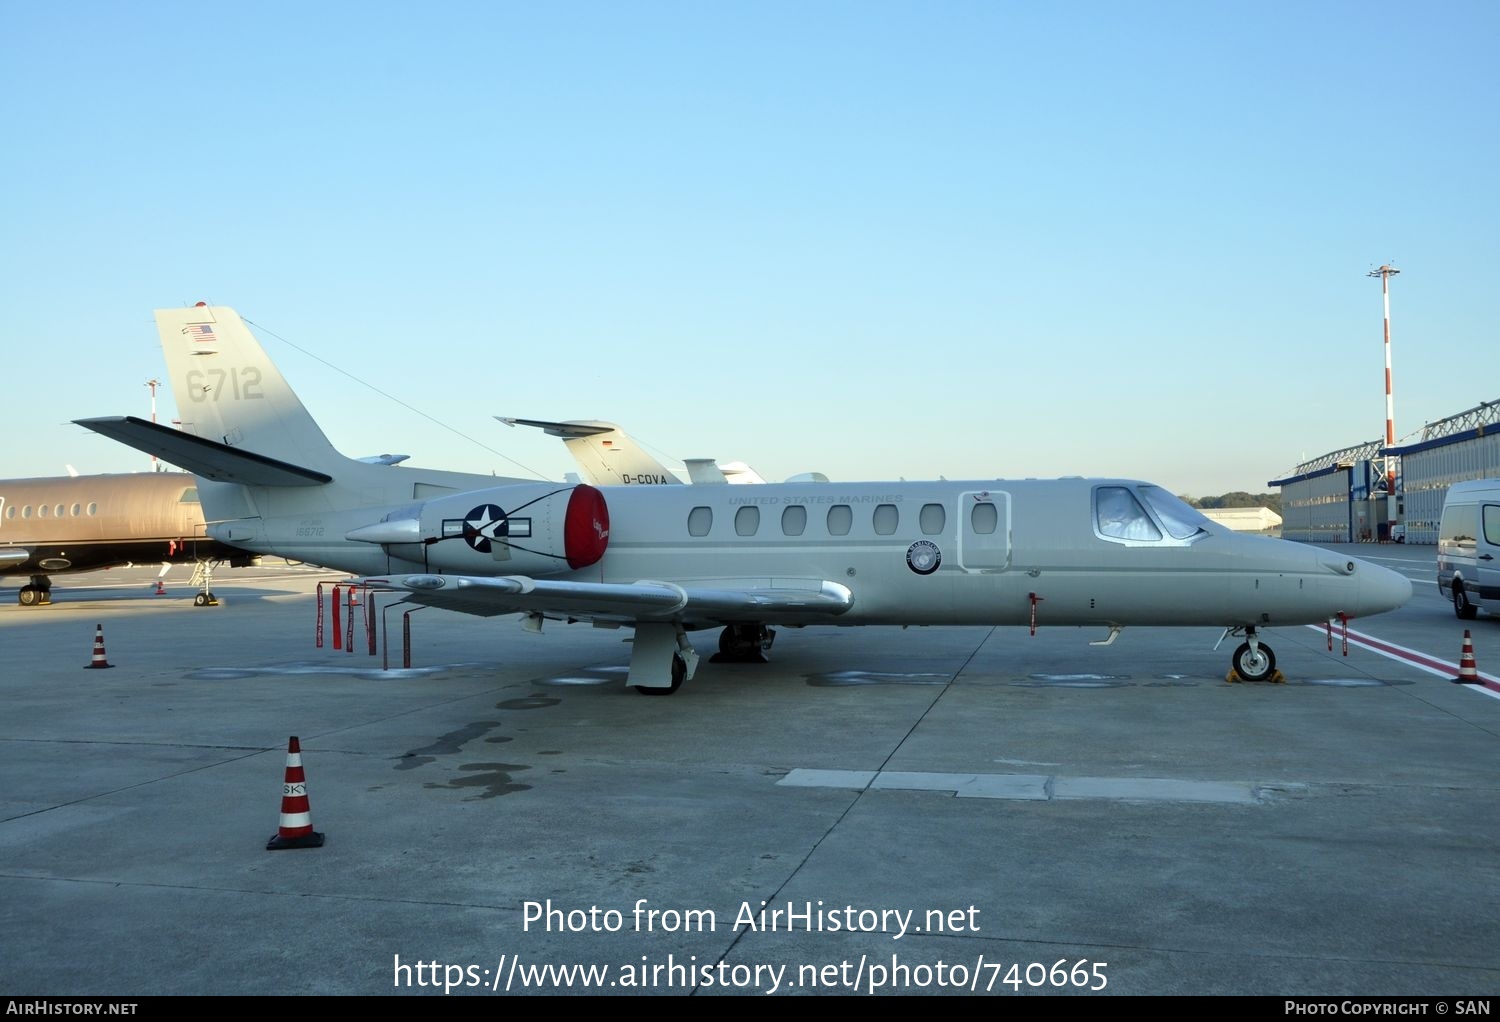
{"x": 743, "y": 644}
{"x": 38, "y": 594}
{"x": 661, "y": 659}
{"x": 203, "y": 578}
{"x": 1253, "y": 660}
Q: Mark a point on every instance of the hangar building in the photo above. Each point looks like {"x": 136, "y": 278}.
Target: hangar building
{"x": 1340, "y": 497}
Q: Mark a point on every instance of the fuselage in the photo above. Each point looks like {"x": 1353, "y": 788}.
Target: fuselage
{"x": 65, "y": 524}
{"x": 979, "y": 552}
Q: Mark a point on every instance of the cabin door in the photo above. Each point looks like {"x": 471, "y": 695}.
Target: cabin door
{"x": 984, "y": 530}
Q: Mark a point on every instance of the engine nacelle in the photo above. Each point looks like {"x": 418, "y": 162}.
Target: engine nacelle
{"x": 521, "y": 529}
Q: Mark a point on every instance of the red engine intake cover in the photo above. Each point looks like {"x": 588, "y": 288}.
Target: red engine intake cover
{"x": 585, "y": 527}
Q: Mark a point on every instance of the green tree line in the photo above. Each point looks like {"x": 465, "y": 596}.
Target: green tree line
{"x": 1239, "y": 498}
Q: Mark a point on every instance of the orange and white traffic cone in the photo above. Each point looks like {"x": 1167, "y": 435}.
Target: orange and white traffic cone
{"x": 296, "y": 815}
{"x": 1468, "y": 673}
{"x": 98, "y": 658}
{"x": 161, "y": 590}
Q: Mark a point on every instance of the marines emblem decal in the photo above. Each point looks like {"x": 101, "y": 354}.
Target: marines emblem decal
{"x": 923, "y": 557}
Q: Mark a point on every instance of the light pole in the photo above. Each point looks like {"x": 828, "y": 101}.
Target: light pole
{"x": 1385, "y": 273}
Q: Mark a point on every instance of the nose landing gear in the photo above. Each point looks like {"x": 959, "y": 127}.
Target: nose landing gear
{"x": 1253, "y": 660}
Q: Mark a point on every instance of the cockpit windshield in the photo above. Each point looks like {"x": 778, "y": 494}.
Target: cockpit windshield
{"x": 1119, "y": 514}
{"x": 1181, "y": 519}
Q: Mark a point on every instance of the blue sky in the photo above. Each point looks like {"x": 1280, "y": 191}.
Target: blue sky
{"x": 872, "y": 239}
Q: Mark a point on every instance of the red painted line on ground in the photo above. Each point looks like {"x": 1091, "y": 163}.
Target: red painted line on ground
{"x": 1416, "y": 658}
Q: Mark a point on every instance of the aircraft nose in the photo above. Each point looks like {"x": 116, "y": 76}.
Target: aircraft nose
{"x": 1381, "y": 589}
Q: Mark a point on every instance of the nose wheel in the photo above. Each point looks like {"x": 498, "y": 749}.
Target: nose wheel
{"x": 1254, "y": 661}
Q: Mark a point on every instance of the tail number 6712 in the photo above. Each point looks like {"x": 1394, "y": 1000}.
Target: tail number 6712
{"x": 209, "y": 384}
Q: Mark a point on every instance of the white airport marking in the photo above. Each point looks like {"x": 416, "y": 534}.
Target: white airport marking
{"x": 1036, "y": 787}
{"x": 801, "y": 778}
{"x": 1417, "y": 659}
{"x": 236, "y": 673}
{"x": 1154, "y": 789}
{"x": 1027, "y": 787}
{"x": 1078, "y": 677}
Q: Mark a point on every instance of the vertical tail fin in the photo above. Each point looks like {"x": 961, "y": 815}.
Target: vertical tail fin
{"x": 228, "y": 390}
{"x": 607, "y": 455}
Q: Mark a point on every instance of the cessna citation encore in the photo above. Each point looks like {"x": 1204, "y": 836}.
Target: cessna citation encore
{"x": 49, "y": 526}
{"x": 667, "y": 560}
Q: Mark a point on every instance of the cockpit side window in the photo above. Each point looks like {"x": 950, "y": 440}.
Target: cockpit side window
{"x": 1118, "y": 515}
{"x": 1181, "y": 519}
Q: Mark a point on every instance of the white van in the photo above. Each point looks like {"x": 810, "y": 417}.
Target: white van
{"x": 1469, "y": 547}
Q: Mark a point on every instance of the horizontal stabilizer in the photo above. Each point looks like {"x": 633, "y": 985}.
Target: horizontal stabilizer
{"x": 562, "y": 429}
{"x": 705, "y": 472}
{"x": 207, "y": 458}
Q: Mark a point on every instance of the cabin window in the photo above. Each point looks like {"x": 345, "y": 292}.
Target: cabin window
{"x": 793, "y": 520}
{"x": 700, "y": 520}
{"x": 93, "y": 508}
{"x": 886, "y": 519}
{"x": 10, "y": 512}
{"x": 76, "y": 509}
{"x": 1118, "y": 515}
{"x": 43, "y": 511}
{"x": 840, "y": 519}
{"x": 983, "y": 518}
{"x": 60, "y": 509}
{"x": 933, "y": 519}
{"x": 746, "y": 521}
{"x": 26, "y": 511}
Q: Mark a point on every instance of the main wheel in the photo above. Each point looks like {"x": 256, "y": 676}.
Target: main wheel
{"x": 29, "y": 596}
{"x": 1462, "y": 608}
{"x": 200, "y": 600}
{"x": 1254, "y": 665}
{"x": 679, "y": 672}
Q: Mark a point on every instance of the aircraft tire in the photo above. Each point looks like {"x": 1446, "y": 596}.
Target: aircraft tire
{"x": 1462, "y": 607}
{"x": 29, "y": 596}
{"x": 1254, "y": 666}
{"x": 200, "y": 600}
{"x": 679, "y": 672}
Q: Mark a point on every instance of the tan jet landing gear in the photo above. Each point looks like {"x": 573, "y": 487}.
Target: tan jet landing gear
{"x": 38, "y": 594}
{"x": 203, "y": 578}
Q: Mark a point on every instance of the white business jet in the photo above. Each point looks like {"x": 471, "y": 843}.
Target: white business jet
{"x": 668, "y": 560}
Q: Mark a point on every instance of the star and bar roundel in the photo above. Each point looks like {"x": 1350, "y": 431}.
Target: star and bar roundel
{"x": 486, "y": 523}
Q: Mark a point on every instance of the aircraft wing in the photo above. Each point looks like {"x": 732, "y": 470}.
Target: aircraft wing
{"x": 717, "y": 601}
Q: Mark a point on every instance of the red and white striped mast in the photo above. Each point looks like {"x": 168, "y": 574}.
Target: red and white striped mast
{"x": 153, "y": 384}
{"x": 1385, "y": 273}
